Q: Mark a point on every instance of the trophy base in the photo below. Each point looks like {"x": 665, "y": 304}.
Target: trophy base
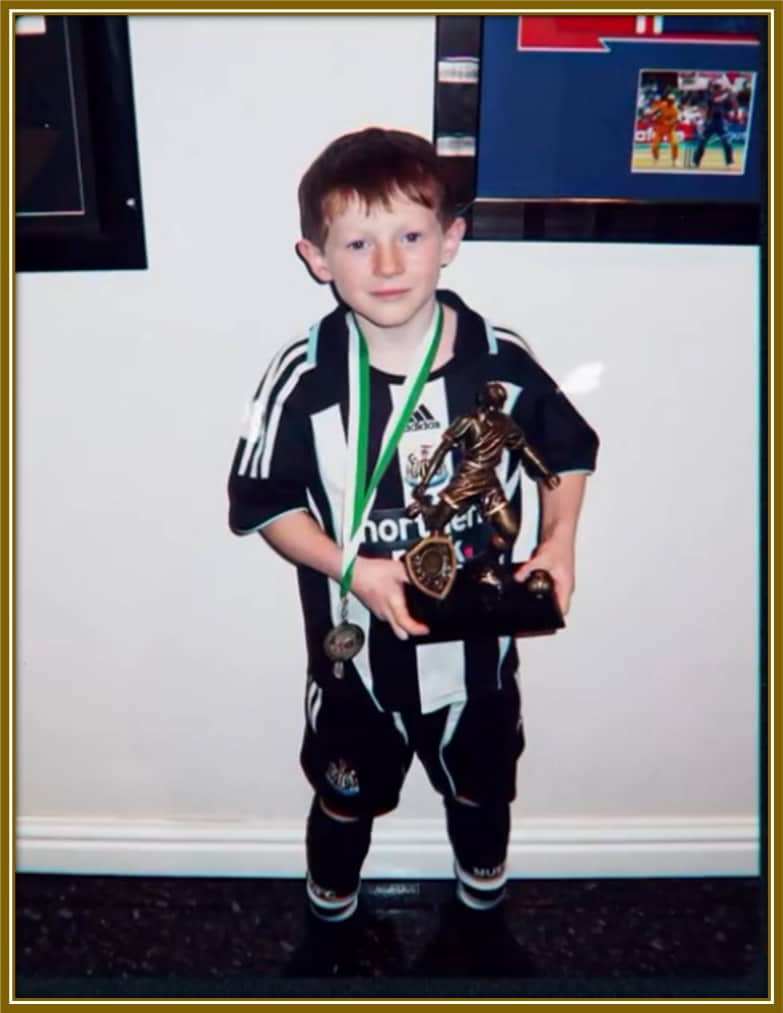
{"x": 474, "y": 609}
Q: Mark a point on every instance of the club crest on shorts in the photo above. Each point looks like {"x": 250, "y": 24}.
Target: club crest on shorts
{"x": 342, "y": 778}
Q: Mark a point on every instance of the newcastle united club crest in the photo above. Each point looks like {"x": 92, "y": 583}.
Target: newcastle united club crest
{"x": 416, "y": 464}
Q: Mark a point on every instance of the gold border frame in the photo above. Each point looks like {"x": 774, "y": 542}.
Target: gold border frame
{"x": 8, "y": 390}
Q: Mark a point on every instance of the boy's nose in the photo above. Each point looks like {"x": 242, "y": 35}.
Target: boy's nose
{"x": 387, "y": 260}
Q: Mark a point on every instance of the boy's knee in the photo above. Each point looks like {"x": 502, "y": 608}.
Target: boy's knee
{"x": 463, "y": 800}
{"x": 336, "y": 813}
{"x": 328, "y": 817}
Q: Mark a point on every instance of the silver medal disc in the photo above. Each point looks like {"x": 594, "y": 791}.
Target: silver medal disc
{"x": 343, "y": 642}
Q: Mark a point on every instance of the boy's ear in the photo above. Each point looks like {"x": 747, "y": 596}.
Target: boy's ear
{"x": 313, "y": 256}
{"x": 452, "y": 237}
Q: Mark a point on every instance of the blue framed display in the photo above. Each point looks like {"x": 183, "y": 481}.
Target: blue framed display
{"x": 648, "y": 128}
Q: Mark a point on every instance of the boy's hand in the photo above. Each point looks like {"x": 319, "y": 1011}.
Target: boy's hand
{"x": 379, "y": 584}
{"x": 557, "y": 558}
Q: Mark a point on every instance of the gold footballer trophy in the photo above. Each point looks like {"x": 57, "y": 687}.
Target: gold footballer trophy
{"x": 481, "y": 597}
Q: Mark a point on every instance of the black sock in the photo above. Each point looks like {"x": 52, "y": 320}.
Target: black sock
{"x": 479, "y": 837}
{"x": 336, "y": 849}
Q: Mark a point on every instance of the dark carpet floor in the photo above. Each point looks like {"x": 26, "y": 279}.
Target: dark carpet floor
{"x": 121, "y": 936}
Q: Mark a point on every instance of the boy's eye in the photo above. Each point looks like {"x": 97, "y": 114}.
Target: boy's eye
{"x": 412, "y": 237}
{"x": 356, "y": 244}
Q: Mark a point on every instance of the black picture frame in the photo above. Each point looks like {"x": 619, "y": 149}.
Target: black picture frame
{"x": 457, "y": 133}
{"x": 78, "y": 186}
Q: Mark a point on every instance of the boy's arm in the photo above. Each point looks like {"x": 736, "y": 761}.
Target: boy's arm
{"x": 299, "y": 539}
{"x": 377, "y": 583}
{"x": 560, "y": 508}
{"x": 568, "y": 446}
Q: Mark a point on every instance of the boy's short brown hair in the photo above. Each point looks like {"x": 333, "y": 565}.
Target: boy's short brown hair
{"x": 373, "y": 165}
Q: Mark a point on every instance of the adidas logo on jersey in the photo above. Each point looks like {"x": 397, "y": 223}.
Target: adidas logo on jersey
{"x": 422, "y": 418}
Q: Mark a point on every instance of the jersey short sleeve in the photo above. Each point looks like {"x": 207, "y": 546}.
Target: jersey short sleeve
{"x": 550, "y": 422}
{"x": 268, "y": 475}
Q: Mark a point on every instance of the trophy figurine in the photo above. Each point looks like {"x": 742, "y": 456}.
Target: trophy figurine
{"x": 481, "y": 596}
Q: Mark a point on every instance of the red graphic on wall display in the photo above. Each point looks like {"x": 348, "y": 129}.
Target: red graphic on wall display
{"x": 590, "y": 33}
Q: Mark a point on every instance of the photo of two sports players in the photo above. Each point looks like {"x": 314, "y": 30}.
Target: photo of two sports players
{"x": 692, "y": 121}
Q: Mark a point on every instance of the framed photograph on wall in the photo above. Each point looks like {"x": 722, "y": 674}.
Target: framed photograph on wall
{"x": 77, "y": 187}
{"x": 629, "y": 128}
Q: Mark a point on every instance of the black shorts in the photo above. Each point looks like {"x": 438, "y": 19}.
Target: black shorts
{"x": 357, "y": 757}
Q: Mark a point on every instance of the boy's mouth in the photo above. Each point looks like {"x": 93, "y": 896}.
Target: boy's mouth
{"x": 388, "y": 293}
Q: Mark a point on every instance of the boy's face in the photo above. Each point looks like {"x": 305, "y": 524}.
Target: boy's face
{"x": 384, "y": 262}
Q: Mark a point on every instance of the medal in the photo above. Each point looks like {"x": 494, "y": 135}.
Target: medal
{"x": 342, "y": 643}
{"x": 345, "y": 640}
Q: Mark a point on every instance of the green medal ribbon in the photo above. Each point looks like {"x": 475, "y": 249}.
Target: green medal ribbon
{"x": 360, "y": 494}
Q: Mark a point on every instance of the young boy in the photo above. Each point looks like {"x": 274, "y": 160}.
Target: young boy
{"x": 379, "y": 379}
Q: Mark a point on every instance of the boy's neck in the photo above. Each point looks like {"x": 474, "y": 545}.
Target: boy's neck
{"x": 394, "y": 349}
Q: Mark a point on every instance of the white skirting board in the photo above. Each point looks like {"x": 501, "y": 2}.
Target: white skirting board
{"x": 404, "y": 849}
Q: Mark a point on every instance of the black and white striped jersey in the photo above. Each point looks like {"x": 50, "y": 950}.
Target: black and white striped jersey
{"x": 292, "y": 456}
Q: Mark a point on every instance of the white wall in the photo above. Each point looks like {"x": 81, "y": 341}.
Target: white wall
{"x": 160, "y": 659}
